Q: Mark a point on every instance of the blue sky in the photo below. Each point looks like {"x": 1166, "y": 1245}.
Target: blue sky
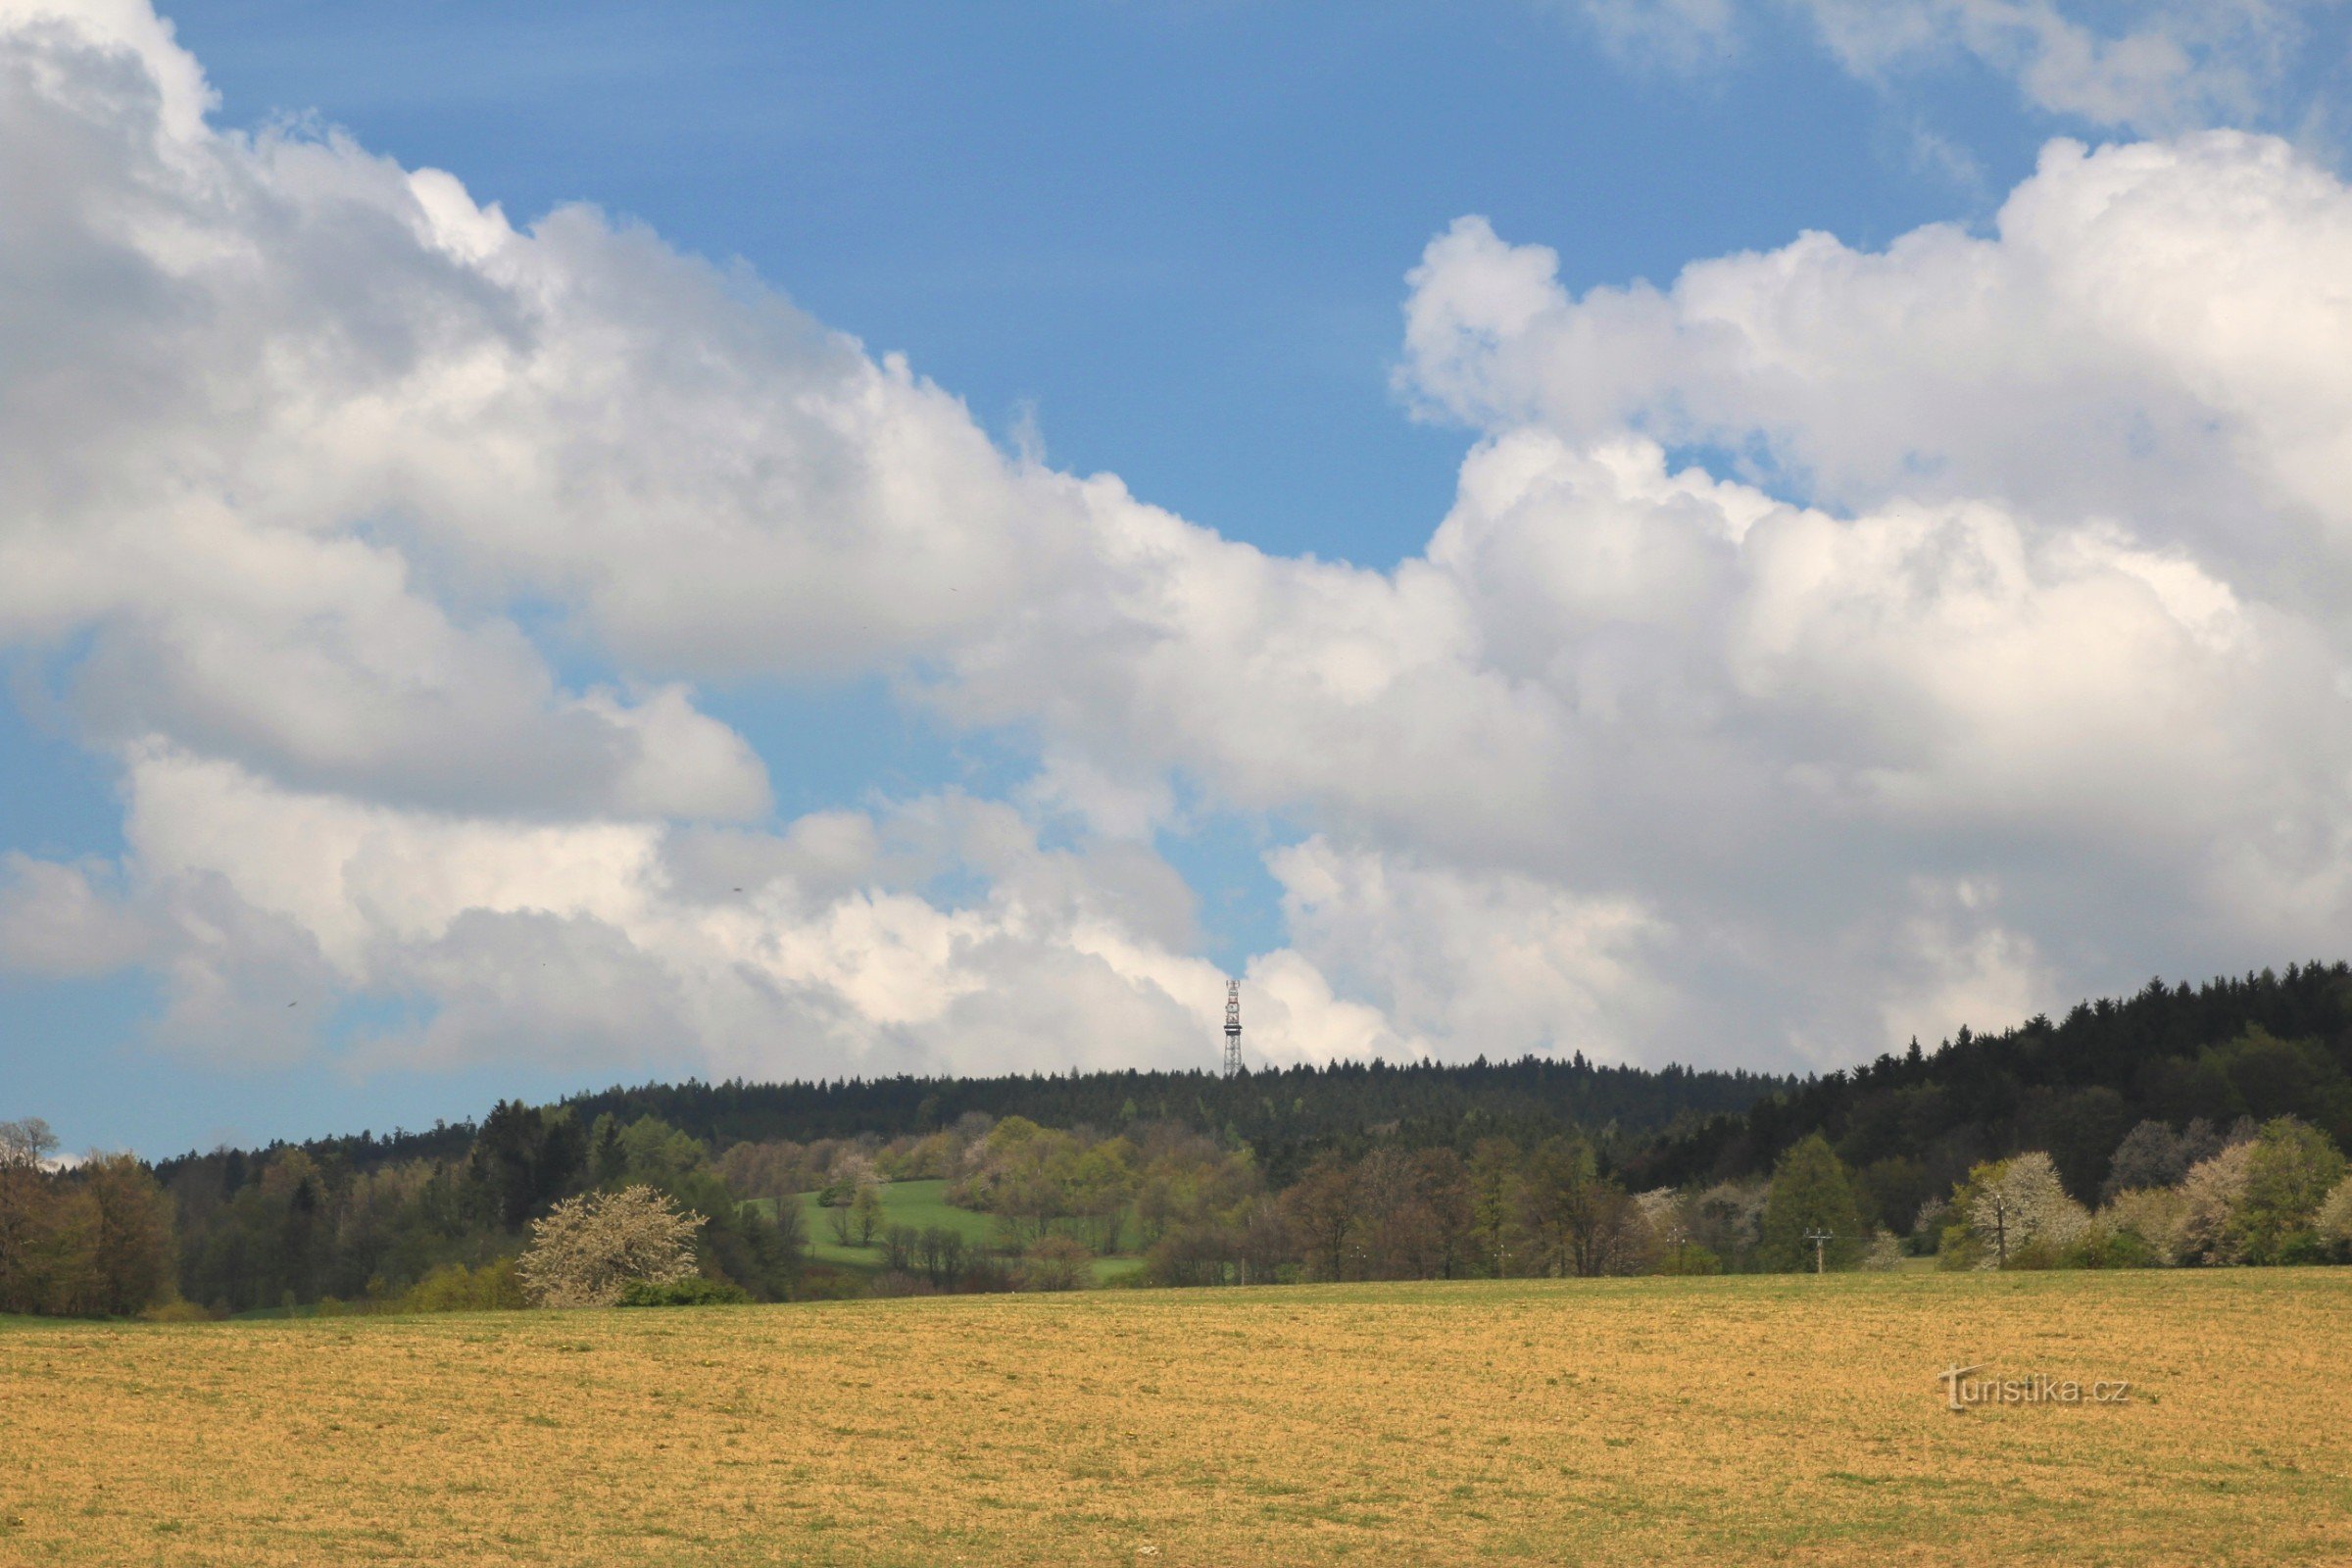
{"x": 1174, "y": 236}
{"x": 1168, "y": 242}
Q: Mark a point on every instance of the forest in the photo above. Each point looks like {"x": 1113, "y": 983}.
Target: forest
{"x": 2181, "y": 1126}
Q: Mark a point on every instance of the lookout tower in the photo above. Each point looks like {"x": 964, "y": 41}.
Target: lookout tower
{"x": 1233, "y": 1027}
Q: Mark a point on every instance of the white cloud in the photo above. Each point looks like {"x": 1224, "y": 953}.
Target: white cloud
{"x": 56, "y": 920}
{"x": 2175, "y": 65}
{"x": 1675, "y": 35}
{"x": 2157, "y": 68}
{"x": 2145, "y": 335}
{"x": 613, "y": 944}
{"x": 1828, "y": 643}
{"x": 1493, "y": 962}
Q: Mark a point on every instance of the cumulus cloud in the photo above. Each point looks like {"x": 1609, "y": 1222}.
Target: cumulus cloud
{"x": 1497, "y": 959}
{"x": 841, "y": 944}
{"x": 1825, "y": 645}
{"x": 2143, "y": 335}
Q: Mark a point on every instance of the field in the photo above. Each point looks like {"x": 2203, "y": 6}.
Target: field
{"x": 920, "y": 1204}
{"x": 1725, "y": 1420}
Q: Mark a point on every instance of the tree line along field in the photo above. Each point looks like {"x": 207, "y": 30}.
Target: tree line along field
{"x": 1727, "y": 1419}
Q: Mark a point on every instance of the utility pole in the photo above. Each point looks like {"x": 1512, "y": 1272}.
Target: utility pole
{"x": 1819, "y": 1239}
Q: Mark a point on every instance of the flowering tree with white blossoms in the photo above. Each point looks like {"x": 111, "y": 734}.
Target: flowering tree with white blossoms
{"x": 588, "y": 1249}
{"x": 2015, "y": 1202}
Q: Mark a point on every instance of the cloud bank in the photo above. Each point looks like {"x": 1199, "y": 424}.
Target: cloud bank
{"x": 1826, "y": 647}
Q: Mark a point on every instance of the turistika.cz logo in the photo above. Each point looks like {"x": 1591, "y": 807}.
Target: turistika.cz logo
{"x": 1964, "y": 1390}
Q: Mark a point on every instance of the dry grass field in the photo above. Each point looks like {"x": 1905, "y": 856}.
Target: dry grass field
{"x": 1729, "y": 1420}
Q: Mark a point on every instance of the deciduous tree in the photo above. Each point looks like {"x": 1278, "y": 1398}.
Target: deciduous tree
{"x": 586, "y": 1250}
{"x": 1811, "y": 1194}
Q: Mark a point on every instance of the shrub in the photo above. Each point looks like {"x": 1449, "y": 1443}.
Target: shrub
{"x": 2107, "y": 1244}
{"x": 695, "y": 1291}
{"x": 1056, "y": 1263}
{"x": 2144, "y": 1220}
{"x": 455, "y": 1288}
{"x": 1688, "y": 1259}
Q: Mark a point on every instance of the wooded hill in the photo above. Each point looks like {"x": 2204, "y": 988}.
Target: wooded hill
{"x": 2262, "y": 1045}
{"x": 1285, "y": 1115}
{"x": 2265, "y": 1046}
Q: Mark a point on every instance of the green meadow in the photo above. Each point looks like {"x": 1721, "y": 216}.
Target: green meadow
{"x": 918, "y": 1205}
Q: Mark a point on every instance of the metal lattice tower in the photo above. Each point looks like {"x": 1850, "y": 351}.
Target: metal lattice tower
{"x": 1233, "y": 1027}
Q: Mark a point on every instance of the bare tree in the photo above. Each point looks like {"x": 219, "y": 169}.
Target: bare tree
{"x": 1322, "y": 1207}
{"x": 26, "y": 1142}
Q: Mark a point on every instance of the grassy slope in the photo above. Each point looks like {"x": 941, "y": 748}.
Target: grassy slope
{"x": 1742, "y": 1420}
{"x": 920, "y": 1204}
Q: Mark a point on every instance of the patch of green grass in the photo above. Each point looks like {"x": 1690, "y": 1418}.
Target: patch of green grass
{"x": 920, "y": 1206}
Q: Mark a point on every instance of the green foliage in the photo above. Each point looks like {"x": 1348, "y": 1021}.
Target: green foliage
{"x": 866, "y": 1213}
{"x": 1285, "y": 1115}
{"x": 918, "y": 1205}
{"x": 91, "y": 1242}
{"x": 524, "y": 1159}
{"x": 2288, "y": 1175}
{"x": 2269, "y": 1078}
{"x": 2104, "y": 1247}
{"x": 1890, "y": 1192}
{"x": 694, "y": 1292}
{"x": 1810, "y": 1191}
{"x": 455, "y": 1288}
{"x": 1038, "y": 1181}
{"x": 1688, "y": 1259}
{"x": 2267, "y": 1044}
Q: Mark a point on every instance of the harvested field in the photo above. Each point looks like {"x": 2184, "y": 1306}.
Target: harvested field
{"x": 1734, "y": 1420}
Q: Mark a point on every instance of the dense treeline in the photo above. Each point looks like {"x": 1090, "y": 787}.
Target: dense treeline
{"x": 289, "y": 1227}
{"x": 1285, "y": 1115}
{"x": 94, "y": 1241}
{"x": 2263, "y": 1046}
{"x": 2182, "y": 1125}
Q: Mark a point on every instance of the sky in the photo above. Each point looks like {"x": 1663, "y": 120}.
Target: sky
{"x": 543, "y": 546}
